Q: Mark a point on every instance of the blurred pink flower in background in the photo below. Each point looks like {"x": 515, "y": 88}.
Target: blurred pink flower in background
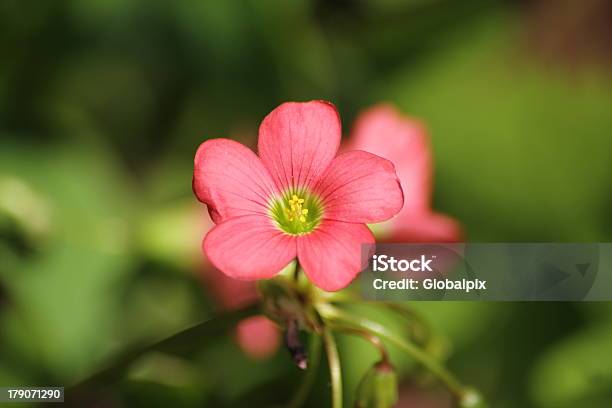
{"x": 384, "y": 131}
{"x": 258, "y": 337}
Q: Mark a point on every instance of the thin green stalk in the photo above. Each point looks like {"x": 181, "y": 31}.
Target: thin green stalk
{"x": 367, "y": 336}
{"x": 334, "y": 314}
{"x": 314, "y": 357}
{"x": 296, "y": 271}
{"x": 335, "y": 370}
{"x": 424, "y": 330}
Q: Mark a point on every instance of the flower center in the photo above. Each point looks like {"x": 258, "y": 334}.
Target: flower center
{"x": 297, "y": 212}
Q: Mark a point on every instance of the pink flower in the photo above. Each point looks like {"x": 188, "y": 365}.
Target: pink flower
{"x": 384, "y": 131}
{"x": 297, "y": 199}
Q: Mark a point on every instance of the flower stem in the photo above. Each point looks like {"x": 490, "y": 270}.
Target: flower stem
{"x": 314, "y": 357}
{"x": 335, "y": 370}
{"x": 423, "y": 331}
{"x": 334, "y": 314}
{"x": 367, "y": 336}
{"x": 296, "y": 271}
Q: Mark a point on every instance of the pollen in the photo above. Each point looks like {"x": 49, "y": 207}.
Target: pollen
{"x": 295, "y": 210}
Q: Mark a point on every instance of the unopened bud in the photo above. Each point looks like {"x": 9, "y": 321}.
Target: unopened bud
{"x": 378, "y": 387}
{"x": 295, "y": 346}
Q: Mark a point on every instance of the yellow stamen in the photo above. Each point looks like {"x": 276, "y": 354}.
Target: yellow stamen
{"x": 295, "y": 210}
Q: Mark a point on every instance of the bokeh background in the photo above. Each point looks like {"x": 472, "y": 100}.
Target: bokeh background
{"x": 104, "y": 102}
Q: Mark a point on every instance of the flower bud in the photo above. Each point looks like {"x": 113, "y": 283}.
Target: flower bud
{"x": 471, "y": 398}
{"x": 294, "y": 345}
{"x": 378, "y": 387}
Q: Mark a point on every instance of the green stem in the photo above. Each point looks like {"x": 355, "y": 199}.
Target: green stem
{"x": 334, "y": 314}
{"x": 423, "y": 329}
{"x": 314, "y": 356}
{"x": 367, "y": 336}
{"x": 296, "y": 271}
{"x": 335, "y": 370}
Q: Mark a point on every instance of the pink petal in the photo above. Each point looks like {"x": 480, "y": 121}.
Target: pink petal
{"x": 332, "y": 255}
{"x": 297, "y": 141}
{"x": 360, "y": 187}
{"x": 249, "y": 247}
{"x": 384, "y": 131}
{"x": 258, "y": 337}
{"x": 231, "y": 180}
{"x": 425, "y": 227}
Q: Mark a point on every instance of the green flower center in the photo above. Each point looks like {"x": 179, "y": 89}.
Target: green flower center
{"x": 297, "y": 212}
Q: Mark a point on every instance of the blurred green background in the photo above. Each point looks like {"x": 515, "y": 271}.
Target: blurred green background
{"x": 104, "y": 102}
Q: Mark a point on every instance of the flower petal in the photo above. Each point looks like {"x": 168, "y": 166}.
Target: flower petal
{"x": 249, "y": 247}
{"x": 332, "y": 255}
{"x": 231, "y": 180}
{"x": 297, "y": 141}
{"x": 360, "y": 187}
{"x": 384, "y": 131}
